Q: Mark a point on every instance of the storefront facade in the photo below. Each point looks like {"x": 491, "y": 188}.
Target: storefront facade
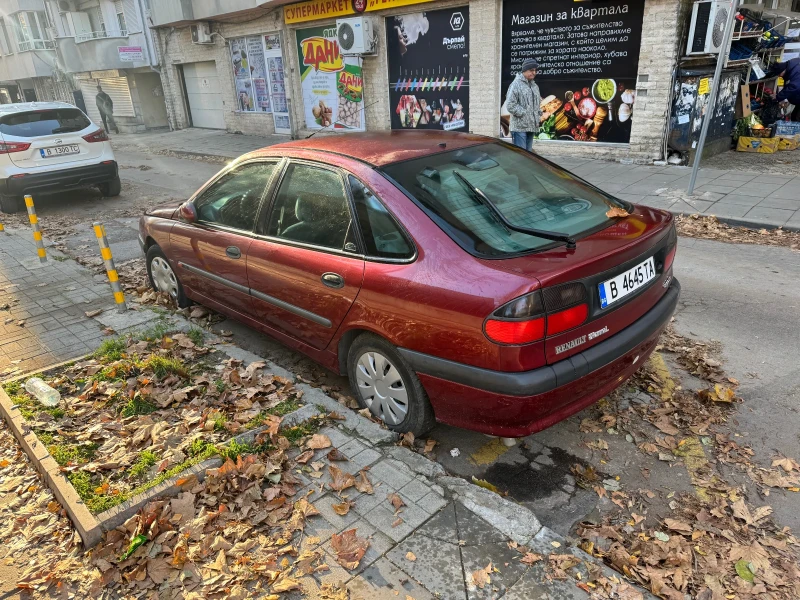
{"x": 606, "y": 70}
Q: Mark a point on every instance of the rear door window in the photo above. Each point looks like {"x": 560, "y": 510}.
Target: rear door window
{"x": 312, "y": 208}
{"x": 44, "y": 122}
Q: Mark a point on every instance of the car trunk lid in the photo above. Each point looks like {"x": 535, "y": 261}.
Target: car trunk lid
{"x": 599, "y": 257}
{"x": 47, "y": 137}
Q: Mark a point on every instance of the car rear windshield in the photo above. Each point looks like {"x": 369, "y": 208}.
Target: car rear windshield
{"x": 44, "y": 122}
{"x": 528, "y": 192}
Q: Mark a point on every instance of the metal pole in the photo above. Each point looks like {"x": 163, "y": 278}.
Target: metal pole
{"x": 37, "y": 232}
{"x": 712, "y": 99}
{"x": 111, "y": 270}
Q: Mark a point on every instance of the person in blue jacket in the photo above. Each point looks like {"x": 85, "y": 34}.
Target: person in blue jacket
{"x": 790, "y": 94}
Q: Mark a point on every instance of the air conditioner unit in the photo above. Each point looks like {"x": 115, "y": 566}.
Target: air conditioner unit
{"x": 707, "y": 31}
{"x": 355, "y": 36}
{"x": 201, "y": 34}
{"x": 64, "y": 6}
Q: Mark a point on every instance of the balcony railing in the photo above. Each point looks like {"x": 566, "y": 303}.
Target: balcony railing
{"x": 36, "y": 45}
{"x": 98, "y": 35}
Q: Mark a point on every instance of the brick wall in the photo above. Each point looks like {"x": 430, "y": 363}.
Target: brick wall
{"x": 663, "y": 22}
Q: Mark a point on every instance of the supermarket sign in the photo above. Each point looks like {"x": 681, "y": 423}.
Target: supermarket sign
{"x": 329, "y": 9}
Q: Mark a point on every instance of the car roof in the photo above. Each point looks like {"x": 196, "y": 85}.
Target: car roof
{"x": 19, "y": 107}
{"x": 380, "y": 148}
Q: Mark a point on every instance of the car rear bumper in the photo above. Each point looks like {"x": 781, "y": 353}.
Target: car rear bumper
{"x": 517, "y": 404}
{"x": 52, "y": 181}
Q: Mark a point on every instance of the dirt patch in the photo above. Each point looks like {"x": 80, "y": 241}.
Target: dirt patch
{"x": 781, "y": 163}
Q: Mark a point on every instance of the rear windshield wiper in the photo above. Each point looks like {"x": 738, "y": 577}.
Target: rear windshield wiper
{"x": 492, "y": 207}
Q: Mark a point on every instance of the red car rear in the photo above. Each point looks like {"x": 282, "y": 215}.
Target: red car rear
{"x": 451, "y": 276}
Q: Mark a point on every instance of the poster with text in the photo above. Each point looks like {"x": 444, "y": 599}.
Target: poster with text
{"x": 588, "y": 56}
{"x": 428, "y": 54}
{"x": 332, "y": 84}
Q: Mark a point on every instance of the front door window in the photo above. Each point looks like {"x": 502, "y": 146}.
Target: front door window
{"x": 233, "y": 201}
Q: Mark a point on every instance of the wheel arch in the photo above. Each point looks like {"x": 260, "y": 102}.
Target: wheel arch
{"x": 346, "y": 341}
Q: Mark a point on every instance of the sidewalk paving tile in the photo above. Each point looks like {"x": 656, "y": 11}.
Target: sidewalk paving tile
{"x": 750, "y": 201}
{"x": 503, "y": 558}
{"x": 769, "y": 215}
{"x": 728, "y": 211}
{"x": 379, "y": 544}
{"x": 790, "y": 191}
{"x": 384, "y": 581}
{"x": 784, "y": 203}
{"x": 758, "y": 189}
{"x": 441, "y": 572}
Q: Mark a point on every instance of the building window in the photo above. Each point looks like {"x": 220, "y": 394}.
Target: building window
{"x": 5, "y": 41}
{"x": 30, "y": 28}
{"x": 123, "y": 25}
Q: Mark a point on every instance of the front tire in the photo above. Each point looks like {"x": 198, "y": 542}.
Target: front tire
{"x": 10, "y": 204}
{"x": 111, "y": 189}
{"x": 384, "y": 383}
{"x": 163, "y": 278}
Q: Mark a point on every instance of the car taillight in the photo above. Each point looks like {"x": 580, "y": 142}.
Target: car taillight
{"x": 567, "y": 319}
{"x": 521, "y": 321}
{"x": 98, "y": 136}
{"x": 532, "y": 316}
{"x": 672, "y": 248}
{"x": 9, "y": 147}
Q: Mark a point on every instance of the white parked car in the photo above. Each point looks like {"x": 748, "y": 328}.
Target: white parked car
{"x": 52, "y": 147}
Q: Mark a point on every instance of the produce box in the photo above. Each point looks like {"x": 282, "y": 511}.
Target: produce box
{"x": 787, "y": 143}
{"x": 743, "y": 104}
{"x": 787, "y": 128}
{"x": 757, "y": 145}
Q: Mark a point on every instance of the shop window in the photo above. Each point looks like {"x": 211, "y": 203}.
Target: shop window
{"x": 250, "y": 75}
{"x": 31, "y": 31}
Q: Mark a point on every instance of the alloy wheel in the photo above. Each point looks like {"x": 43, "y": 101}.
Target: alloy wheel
{"x": 382, "y": 387}
{"x": 164, "y": 277}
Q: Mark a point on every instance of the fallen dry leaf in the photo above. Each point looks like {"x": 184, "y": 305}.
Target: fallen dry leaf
{"x": 410, "y": 556}
{"x": 336, "y": 456}
{"x": 349, "y": 548}
{"x": 616, "y": 211}
{"x": 531, "y": 558}
{"x": 340, "y": 480}
{"x": 480, "y": 578}
{"x": 396, "y": 501}
{"x": 363, "y": 484}
{"x": 343, "y": 508}
{"x": 319, "y": 441}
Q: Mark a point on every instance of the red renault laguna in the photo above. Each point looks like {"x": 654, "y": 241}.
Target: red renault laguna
{"x": 452, "y": 277}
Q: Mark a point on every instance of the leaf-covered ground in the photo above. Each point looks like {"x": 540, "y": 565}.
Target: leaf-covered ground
{"x": 146, "y": 408}
{"x": 712, "y": 543}
{"x": 709, "y": 228}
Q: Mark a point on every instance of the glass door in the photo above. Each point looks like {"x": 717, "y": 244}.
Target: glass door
{"x": 277, "y": 84}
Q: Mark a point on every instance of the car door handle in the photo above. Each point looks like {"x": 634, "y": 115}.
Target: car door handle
{"x": 333, "y": 280}
{"x": 233, "y": 252}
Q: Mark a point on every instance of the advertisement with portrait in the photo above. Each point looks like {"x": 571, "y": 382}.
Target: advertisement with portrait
{"x": 332, "y": 84}
{"x": 428, "y": 55}
{"x": 588, "y": 56}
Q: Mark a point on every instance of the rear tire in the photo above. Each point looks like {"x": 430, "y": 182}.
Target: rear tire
{"x": 10, "y": 204}
{"x": 163, "y": 278}
{"x": 386, "y": 385}
{"x": 111, "y": 189}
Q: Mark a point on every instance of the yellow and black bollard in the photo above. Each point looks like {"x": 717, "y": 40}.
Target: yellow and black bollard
{"x": 108, "y": 261}
{"x": 2, "y": 228}
{"x": 37, "y": 232}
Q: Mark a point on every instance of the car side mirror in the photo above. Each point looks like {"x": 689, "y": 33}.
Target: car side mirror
{"x": 188, "y": 212}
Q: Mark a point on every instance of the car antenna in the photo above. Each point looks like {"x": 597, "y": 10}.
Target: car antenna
{"x": 363, "y": 108}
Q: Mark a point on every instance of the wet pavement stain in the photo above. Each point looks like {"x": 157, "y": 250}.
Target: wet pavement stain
{"x": 537, "y": 478}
